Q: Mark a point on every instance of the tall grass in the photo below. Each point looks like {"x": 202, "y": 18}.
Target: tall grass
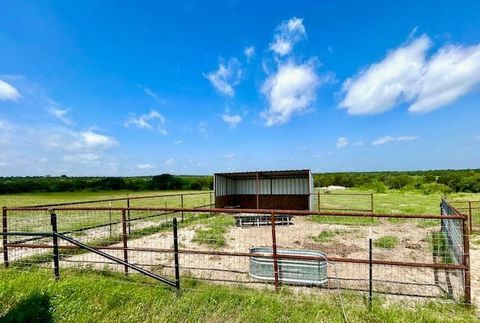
{"x": 111, "y": 297}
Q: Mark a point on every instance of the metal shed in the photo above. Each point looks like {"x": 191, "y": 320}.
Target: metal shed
{"x": 282, "y": 190}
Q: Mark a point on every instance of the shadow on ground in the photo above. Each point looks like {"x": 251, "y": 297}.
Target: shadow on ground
{"x": 34, "y": 308}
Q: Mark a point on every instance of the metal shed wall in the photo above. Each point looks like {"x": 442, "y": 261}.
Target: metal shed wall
{"x": 294, "y": 191}
{"x": 277, "y": 186}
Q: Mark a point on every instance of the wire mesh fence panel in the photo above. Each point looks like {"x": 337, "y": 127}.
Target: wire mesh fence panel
{"x": 472, "y": 210}
{"x": 403, "y": 241}
{"x": 342, "y": 202}
{"x": 306, "y": 251}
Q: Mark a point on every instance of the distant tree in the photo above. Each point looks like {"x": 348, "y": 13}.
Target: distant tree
{"x": 165, "y": 182}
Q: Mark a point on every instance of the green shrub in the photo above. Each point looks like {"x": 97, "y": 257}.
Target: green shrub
{"x": 432, "y": 188}
{"x": 386, "y": 242}
{"x": 325, "y": 235}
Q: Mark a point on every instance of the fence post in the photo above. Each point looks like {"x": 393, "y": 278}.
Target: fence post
{"x": 181, "y": 203}
{"x": 371, "y": 202}
{"x": 274, "y": 249}
{"x": 125, "y": 238}
{"x": 318, "y": 201}
{"x": 128, "y": 215}
{"x": 470, "y": 215}
{"x": 466, "y": 262}
{"x": 210, "y": 196}
{"x": 370, "y": 273}
{"x": 56, "y": 257}
{"x": 5, "y": 237}
{"x": 175, "y": 249}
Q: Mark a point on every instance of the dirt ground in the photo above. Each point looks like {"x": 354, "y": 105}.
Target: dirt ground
{"x": 349, "y": 241}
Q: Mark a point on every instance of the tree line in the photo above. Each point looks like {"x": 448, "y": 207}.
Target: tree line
{"x": 431, "y": 181}
{"x": 72, "y": 184}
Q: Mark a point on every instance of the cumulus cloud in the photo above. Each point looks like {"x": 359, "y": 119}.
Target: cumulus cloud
{"x": 232, "y": 120}
{"x": 389, "y": 139}
{"x": 178, "y": 142}
{"x": 287, "y": 34}
{"x": 408, "y": 75}
{"x": 291, "y": 90}
{"x": 151, "y": 120}
{"x": 342, "y": 142}
{"x": 226, "y": 77}
{"x": 379, "y": 87}
{"x": 8, "y": 92}
{"x": 83, "y": 141}
{"x": 90, "y": 139}
{"x": 61, "y": 114}
{"x": 452, "y": 72}
{"x": 249, "y": 52}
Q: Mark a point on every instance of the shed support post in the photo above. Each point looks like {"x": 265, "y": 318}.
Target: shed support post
{"x": 256, "y": 184}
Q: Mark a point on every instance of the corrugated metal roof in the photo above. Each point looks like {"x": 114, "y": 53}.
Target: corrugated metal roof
{"x": 267, "y": 174}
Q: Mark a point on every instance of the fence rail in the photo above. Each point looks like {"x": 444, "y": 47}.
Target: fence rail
{"x": 209, "y": 246}
{"x": 359, "y": 202}
{"x": 472, "y": 210}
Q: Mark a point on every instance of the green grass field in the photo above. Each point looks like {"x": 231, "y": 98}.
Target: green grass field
{"x": 65, "y": 197}
{"x": 110, "y": 297}
{"x": 106, "y": 296}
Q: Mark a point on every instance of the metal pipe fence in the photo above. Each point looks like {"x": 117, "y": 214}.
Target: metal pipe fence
{"x": 342, "y": 202}
{"x": 472, "y": 210}
{"x": 411, "y": 255}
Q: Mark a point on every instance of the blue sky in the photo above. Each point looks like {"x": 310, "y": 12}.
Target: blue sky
{"x": 190, "y": 87}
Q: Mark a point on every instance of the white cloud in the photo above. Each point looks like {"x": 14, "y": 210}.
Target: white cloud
{"x": 291, "y": 90}
{"x": 170, "y": 162}
{"x": 151, "y": 120}
{"x": 287, "y": 34}
{"x": 81, "y": 158}
{"x": 178, "y": 142}
{"x": 396, "y": 78}
{"x": 90, "y": 139}
{"x": 153, "y": 95}
{"x": 203, "y": 128}
{"x": 452, "y": 72}
{"x": 8, "y": 92}
{"x": 61, "y": 114}
{"x": 232, "y": 120}
{"x": 388, "y": 139}
{"x": 229, "y": 156}
{"x": 249, "y": 52}
{"x": 226, "y": 77}
{"x": 407, "y": 75}
{"x": 342, "y": 142}
{"x": 145, "y": 166}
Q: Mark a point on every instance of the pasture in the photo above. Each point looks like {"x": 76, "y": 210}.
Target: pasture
{"x": 214, "y": 250}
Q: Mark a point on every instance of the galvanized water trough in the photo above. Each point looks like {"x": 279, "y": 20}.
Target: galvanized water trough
{"x": 290, "y": 271}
